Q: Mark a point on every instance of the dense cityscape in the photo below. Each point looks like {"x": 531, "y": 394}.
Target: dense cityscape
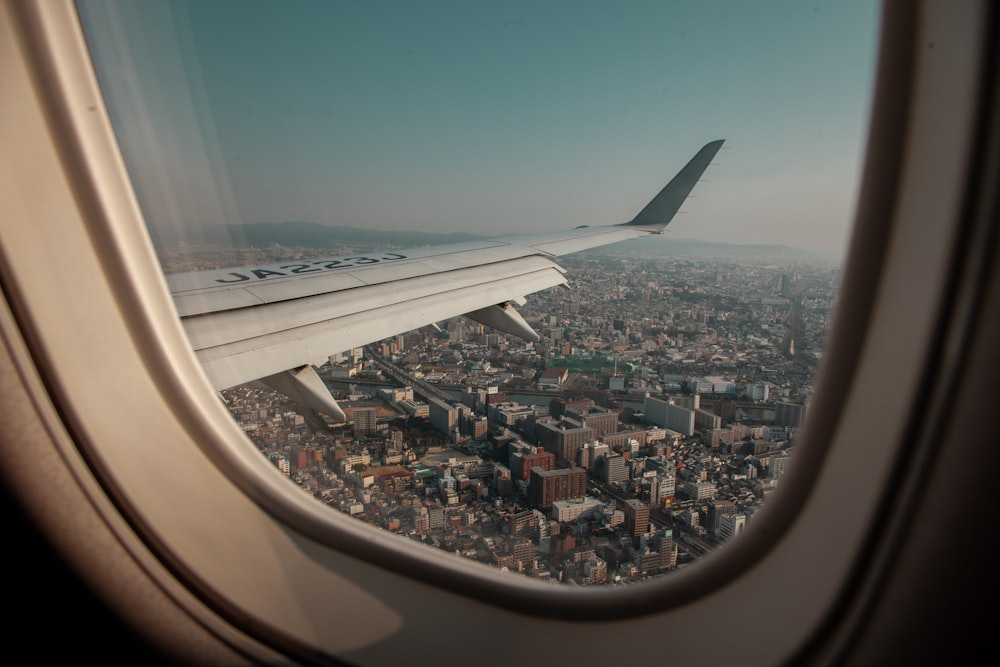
{"x": 647, "y": 427}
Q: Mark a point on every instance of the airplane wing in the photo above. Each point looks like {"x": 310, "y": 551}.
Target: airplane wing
{"x": 275, "y": 322}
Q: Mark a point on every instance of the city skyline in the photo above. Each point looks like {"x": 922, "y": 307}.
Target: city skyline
{"x": 465, "y": 440}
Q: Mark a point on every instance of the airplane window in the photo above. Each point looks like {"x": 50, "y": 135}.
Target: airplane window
{"x": 345, "y": 199}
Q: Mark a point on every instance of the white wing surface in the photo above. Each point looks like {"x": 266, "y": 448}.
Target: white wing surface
{"x": 273, "y": 322}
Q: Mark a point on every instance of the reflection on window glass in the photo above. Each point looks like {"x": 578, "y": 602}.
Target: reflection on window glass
{"x": 661, "y": 405}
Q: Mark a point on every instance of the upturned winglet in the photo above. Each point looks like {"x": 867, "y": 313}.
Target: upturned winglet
{"x": 661, "y": 210}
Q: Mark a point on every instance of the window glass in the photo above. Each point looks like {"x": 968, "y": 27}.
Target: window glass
{"x": 661, "y": 405}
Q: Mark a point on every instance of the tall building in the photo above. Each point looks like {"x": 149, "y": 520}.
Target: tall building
{"x": 717, "y": 509}
{"x": 602, "y": 420}
{"x": 548, "y": 486}
{"x": 456, "y": 331}
{"x": 478, "y": 427}
{"x": 435, "y": 516}
{"x": 443, "y": 416}
{"x": 732, "y": 525}
{"x": 502, "y": 481}
{"x": 421, "y": 522}
{"x": 636, "y": 516}
{"x": 778, "y": 464}
{"x": 662, "y": 489}
{"x": 564, "y": 438}
{"x": 284, "y": 466}
{"x": 707, "y": 420}
{"x": 592, "y": 457}
{"x": 364, "y": 421}
{"x": 563, "y": 543}
{"x": 669, "y": 415}
{"x": 523, "y": 551}
{"x": 699, "y": 489}
{"x": 593, "y": 571}
{"x": 614, "y": 469}
{"x": 521, "y": 463}
{"x": 689, "y": 401}
{"x": 522, "y": 524}
{"x": 664, "y": 543}
{"x": 788, "y": 414}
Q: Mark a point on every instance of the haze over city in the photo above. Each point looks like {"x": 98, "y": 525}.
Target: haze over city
{"x": 493, "y": 119}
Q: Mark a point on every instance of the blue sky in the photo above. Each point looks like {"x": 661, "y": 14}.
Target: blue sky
{"x": 492, "y": 117}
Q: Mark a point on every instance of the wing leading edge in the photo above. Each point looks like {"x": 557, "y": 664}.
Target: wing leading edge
{"x": 274, "y": 322}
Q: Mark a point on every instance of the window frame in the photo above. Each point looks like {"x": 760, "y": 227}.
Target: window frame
{"x": 208, "y": 521}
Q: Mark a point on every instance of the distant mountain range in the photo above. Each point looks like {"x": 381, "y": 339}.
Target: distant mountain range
{"x": 316, "y": 236}
{"x": 293, "y": 235}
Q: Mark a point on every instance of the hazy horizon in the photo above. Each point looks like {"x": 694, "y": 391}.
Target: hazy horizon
{"x": 458, "y": 117}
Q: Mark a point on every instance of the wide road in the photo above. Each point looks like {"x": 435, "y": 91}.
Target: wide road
{"x": 424, "y": 389}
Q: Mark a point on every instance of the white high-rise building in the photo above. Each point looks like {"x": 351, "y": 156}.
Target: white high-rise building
{"x": 731, "y": 525}
{"x": 666, "y": 414}
{"x": 614, "y": 469}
